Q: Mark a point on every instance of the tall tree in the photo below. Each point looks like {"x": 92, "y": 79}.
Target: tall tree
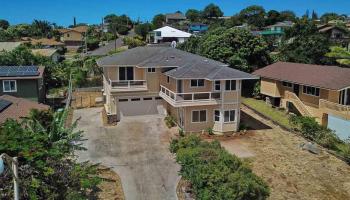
{"x": 143, "y": 29}
{"x": 314, "y": 15}
{"x": 253, "y": 15}
{"x": 158, "y": 21}
{"x": 212, "y": 11}
{"x": 193, "y": 15}
{"x": 326, "y": 17}
{"x": 41, "y": 28}
{"x": 273, "y": 17}
{"x": 4, "y": 24}
{"x": 288, "y": 15}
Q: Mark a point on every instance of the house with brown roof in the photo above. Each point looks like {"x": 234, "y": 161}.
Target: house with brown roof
{"x": 336, "y": 34}
{"x": 49, "y": 53}
{"x": 176, "y": 17}
{"x": 15, "y": 108}
{"x": 73, "y": 37}
{"x": 45, "y": 42}
{"x": 199, "y": 93}
{"x": 318, "y": 91}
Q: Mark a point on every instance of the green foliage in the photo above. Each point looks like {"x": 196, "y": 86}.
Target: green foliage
{"x": 214, "y": 173}
{"x": 237, "y": 47}
{"x": 181, "y": 132}
{"x": 133, "y": 42}
{"x": 341, "y": 55}
{"x": 253, "y": 15}
{"x": 4, "y": 24}
{"x": 326, "y": 17}
{"x": 170, "y": 121}
{"x": 143, "y": 29}
{"x": 212, "y": 11}
{"x": 92, "y": 43}
{"x": 210, "y": 131}
{"x": 256, "y": 90}
{"x": 193, "y": 15}
{"x": 47, "y": 167}
{"x": 118, "y": 24}
{"x": 158, "y": 21}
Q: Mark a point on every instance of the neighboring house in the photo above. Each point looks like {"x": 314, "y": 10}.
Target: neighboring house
{"x": 9, "y": 46}
{"x": 319, "y": 91}
{"x": 198, "y": 92}
{"x": 336, "y": 34}
{"x": 50, "y": 53}
{"x": 23, "y": 81}
{"x": 74, "y": 37}
{"x": 168, "y": 34}
{"x": 44, "y": 42}
{"x": 198, "y": 28}
{"x": 276, "y": 31}
{"x": 15, "y": 108}
{"x": 172, "y": 18}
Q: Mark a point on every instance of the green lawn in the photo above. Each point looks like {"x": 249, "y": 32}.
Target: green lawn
{"x": 276, "y": 115}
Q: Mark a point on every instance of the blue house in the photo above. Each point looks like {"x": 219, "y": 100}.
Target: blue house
{"x": 198, "y": 28}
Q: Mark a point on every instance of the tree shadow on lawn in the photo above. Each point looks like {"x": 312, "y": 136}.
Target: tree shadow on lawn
{"x": 251, "y": 123}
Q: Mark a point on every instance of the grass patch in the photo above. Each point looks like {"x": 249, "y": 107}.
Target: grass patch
{"x": 276, "y": 115}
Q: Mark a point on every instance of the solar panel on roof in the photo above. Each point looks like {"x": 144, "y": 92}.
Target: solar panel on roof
{"x": 4, "y": 104}
{"x": 10, "y": 71}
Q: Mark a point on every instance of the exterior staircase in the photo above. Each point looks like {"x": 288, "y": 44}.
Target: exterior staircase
{"x": 292, "y": 97}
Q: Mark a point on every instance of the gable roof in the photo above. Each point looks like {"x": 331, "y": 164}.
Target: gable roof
{"x": 81, "y": 29}
{"x": 18, "y": 107}
{"x": 44, "y": 52}
{"x": 187, "y": 65}
{"x": 168, "y": 31}
{"x": 9, "y": 46}
{"x": 329, "y": 77}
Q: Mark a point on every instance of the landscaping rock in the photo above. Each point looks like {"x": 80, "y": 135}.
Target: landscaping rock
{"x": 311, "y": 148}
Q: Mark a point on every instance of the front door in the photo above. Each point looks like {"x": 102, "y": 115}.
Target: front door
{"x": 126, "y": 73}
{"x": 296, "y": 89}
{"x": 179, "y": 86}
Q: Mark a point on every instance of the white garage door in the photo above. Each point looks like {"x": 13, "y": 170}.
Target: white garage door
{"x": 139, "y": 106}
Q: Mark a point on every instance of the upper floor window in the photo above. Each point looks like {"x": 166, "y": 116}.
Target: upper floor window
{"x": 287, "y": 84}
{"x": 217, "y": 85}
{"x": 151, "y": 70}
{"x": 311, "y": 91}
{"x": 199, "y": 116}
{"x": 230, "y": 85}
{"x": 230, "y": 116}
{"x": 197, "y": 83}
{"x": 9, "y": 85}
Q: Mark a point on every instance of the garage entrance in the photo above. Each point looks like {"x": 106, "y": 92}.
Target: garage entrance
{"x": 136, "y": 106}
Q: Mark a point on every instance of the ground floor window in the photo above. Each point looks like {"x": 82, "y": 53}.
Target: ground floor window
{"x": 311, "y": 91}
{"x": 287, "y": 84}
{"x": 229, "y": 115}
{"x": 9, "y": 85}
{"x": 217, "y": 115}
{"x": 199, "y": 116}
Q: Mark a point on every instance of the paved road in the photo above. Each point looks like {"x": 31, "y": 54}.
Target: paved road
{"x": 104, "y": 50}
{"x": 137, "y": 149}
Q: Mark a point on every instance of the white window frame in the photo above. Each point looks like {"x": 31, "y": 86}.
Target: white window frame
{"x": 217, "y": 115}
{"x": 199, "y": 116}
{"x": 287, "y": 84}
{"x": 235, "y": 118}
{"x": 217, "y": 84}
{"x": 151, "y": 70}
{"x": 9, "y": 81}
{"x": 197, "y": 81}
{"x": 314, "y": 95}
{"x": 230, "y": 85}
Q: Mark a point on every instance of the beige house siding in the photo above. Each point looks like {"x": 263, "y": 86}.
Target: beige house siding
{"x": 72, "y": 36}
{"x": 171, "y": 85}
{"x": 188, "y": 89}
{"x": 269, "y": 87}
{"x": 153, "y": 79}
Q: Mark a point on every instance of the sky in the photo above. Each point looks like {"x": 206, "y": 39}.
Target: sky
{"x": 91, "y": 11}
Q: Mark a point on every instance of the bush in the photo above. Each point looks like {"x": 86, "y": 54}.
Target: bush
{"x": 133, "y": 42}
{"x": 214, "y": 173}
{"x": 181, "y": 132}
{"x": 170, "y": 121}
{"x": 210, "y": 131}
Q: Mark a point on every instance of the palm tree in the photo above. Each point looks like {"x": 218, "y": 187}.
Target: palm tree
{"x": 41, "y": 28}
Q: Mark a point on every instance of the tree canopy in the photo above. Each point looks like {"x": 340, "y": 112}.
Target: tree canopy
{"x": 158, "y": 21}
{"x": 237, "y": 47}
{"x": 253, "y": 15}
{"x": 212, "y": 11}
{"x": 193, "y": 15}
{"x": 4, "y": 24}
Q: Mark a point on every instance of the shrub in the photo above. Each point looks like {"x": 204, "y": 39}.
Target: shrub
{"x": 214, "y": 173}
{"x": 133, "y": 42}
{"x": 210, "y": 131}
{"x": 170, "y": 121}
{"x": 181, "y": 132}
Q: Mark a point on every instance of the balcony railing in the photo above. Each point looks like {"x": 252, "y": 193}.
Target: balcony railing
{"x": 335, "y": 108}
{"x": 190, "y": 97}
{"x": 126, "y": 85}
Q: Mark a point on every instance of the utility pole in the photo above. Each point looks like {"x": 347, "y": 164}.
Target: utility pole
{"x": 14, "y": 169}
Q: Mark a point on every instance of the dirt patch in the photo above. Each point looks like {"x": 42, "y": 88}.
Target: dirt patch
{"x": 182, "y": 188}
{"x": 110, "y": 187}
{"x": 86, "y": 100}
{"x": 291, "y": 172}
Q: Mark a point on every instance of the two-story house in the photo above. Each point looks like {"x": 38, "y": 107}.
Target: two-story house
{"x": 73, "y": 37}
{"x": 198, "y": 92}
{"x": 23, "y": 81}
{"x": 276, "y": 31}
{"x": 318, "y": 91}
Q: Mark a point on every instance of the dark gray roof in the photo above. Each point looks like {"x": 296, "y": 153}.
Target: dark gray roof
{"x": 187, "y": 65}
{"x": 104, "y": 50}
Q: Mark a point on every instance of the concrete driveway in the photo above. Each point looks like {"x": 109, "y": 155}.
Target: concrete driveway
{"x": 137, "y": 149}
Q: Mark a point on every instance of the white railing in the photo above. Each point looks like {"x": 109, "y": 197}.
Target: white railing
{"x": 127, "y": 84}
{"x": 190, "y": 96}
